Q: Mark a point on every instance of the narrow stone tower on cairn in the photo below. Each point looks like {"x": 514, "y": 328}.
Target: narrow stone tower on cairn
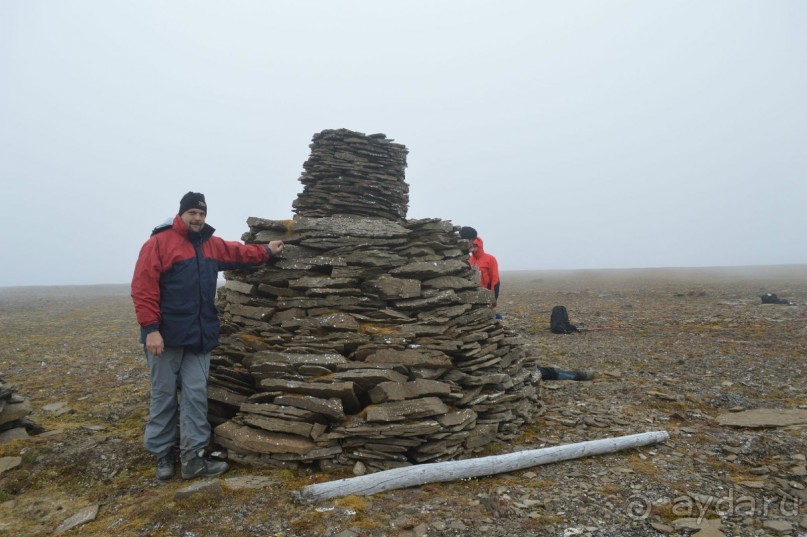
{"x": 369, "y": 341}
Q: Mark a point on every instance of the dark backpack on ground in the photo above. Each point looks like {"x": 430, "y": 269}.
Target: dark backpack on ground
{"x": 559, "y": 321}
{"x": 771, "y": 298}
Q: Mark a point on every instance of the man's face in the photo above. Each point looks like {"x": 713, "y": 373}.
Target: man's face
{"x": 194, "y": 219}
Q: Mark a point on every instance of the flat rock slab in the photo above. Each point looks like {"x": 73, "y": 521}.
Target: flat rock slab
{"x": 330, "y": 408}
{"x": 18, "y": 433}
{"x": 87, "y": 514}
{"x": 405, "y": 410}
{"x": 259, "y": 441}
{"x": 15, "y": 411}
{"x": 696, "y": 524}
{"x": 764, "y": 417}
{"x": 7, "y": 463}
{"x": 249, "y": 482}
{"x": 207, "y": 487}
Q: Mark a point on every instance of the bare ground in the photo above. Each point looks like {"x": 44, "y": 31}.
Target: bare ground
{"x": 679, "y": 348}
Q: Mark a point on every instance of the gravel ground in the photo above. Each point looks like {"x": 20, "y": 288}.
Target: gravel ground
{"x": 673, "y": 349}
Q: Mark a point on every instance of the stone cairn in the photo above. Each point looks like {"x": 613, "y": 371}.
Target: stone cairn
{"x": 14, "y": 410}
{"x": 369, "y": 342}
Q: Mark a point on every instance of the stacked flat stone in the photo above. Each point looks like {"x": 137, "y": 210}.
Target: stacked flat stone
{"x": 350, "y": 173}
{"x": 369, "y": 341}
{"x": 14, "y": 410}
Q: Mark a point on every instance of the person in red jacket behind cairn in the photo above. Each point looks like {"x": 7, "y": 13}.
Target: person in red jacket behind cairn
{"x": 484, "y": 262}
{"x": 488, "y": 268}
{"x": 174, "y": 292}
{"x": 489, "y": 279}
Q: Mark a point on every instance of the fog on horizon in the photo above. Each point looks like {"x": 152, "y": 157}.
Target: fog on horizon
{"x": 583, "y": 135}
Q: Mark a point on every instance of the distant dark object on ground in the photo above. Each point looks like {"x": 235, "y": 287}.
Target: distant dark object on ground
{"x": 559, "y": 321}
{"x": 771, "y": 298}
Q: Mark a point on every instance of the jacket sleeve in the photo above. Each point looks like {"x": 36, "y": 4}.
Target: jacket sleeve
{"x": 232, "y": 254}
{"x": 146, "y": 287}
{"x": 494, "y": 275}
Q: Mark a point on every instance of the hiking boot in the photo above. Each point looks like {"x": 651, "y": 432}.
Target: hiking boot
{"x": 201, "y": 467}
{"x": 165, "y": 467}
{"x": 586, "y": 374}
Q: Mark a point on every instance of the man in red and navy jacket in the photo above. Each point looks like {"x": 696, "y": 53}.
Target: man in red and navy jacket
{"x": 174, "y": 293}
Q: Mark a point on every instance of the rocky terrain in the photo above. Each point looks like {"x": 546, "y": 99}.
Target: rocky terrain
{"x": 686, "y": 351}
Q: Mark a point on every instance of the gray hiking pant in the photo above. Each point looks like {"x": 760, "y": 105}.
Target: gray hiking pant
{"x": 181, "y": 368}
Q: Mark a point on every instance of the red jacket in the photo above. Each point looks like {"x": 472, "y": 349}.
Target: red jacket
{"x": 174, "y": 283}
{"x": 487, "y": 265}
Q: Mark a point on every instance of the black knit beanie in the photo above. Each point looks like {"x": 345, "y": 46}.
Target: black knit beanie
{"x": 467, "y": 233}
{"x": 192, "y": 200}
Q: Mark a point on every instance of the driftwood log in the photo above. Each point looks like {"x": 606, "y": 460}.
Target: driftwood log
{"x": 410, "y": 476}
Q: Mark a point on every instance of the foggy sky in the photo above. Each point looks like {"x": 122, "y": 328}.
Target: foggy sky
{"x": 571, "y": 134}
